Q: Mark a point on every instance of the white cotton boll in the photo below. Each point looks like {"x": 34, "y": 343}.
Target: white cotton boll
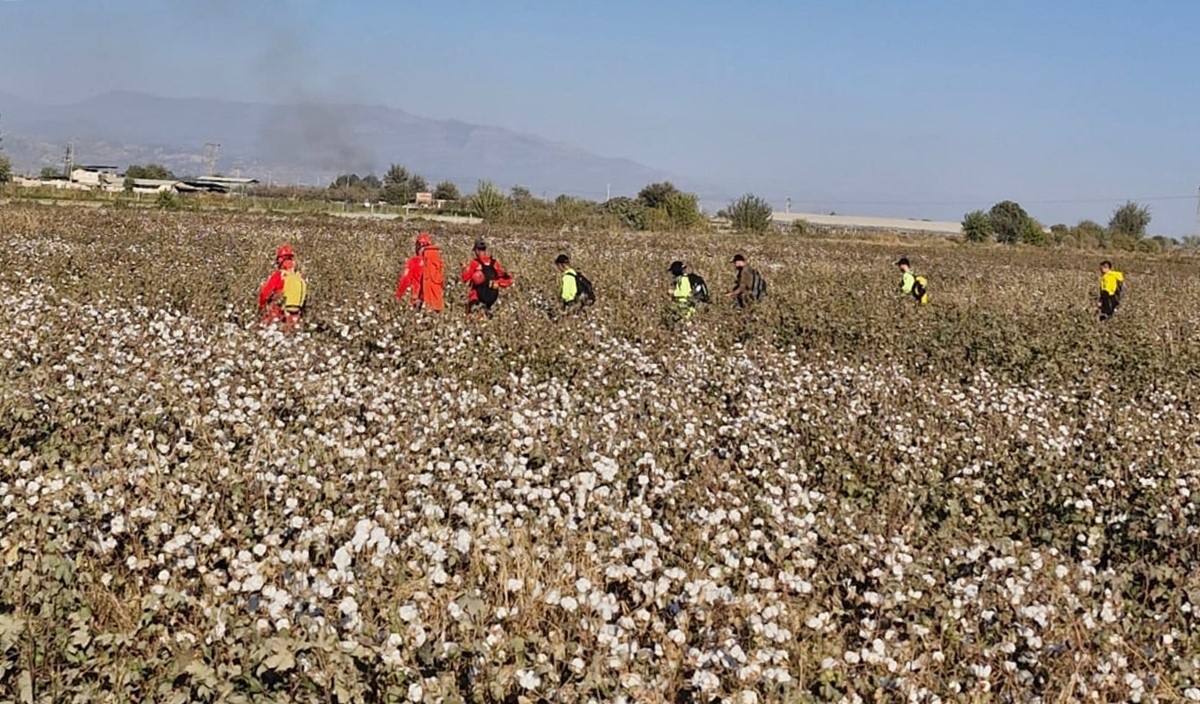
{"x": 462, "y": 541}
{"x": 569, "y": 603}
{"x": 409, "y": 613}
{"x": 416, "y": 692}
{"x": 342, "y": 559}
{"x": 528, "y": 679}
{"x": 252, "y": 583}
{"x": 514, "y": 585}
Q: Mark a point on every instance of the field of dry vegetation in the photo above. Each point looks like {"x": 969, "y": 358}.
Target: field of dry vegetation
{"x": 835, "y": 496}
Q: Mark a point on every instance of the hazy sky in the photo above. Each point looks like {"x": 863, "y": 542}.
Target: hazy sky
{"x": 916, "y": 108}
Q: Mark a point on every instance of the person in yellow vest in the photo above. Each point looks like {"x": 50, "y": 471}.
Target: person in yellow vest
{"x": 284, "y": 294}
{"x": 681, "y": 291}
{"x": 1111, "y": 284}
{"x": 912, "y": 284}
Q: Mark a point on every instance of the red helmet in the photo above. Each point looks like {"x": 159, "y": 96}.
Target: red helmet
{"x": 424, "y": 240}
{"x": 284, "y": 252}
{"x": 478, "y": 278}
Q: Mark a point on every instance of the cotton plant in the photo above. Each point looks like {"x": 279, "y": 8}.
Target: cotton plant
{"x": 792, "y": 503}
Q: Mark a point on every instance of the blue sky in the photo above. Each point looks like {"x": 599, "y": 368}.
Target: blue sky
{"x": 924, "y": 108}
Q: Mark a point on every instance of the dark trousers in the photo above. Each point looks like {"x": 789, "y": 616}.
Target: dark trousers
{"x": 1108, "y": 306}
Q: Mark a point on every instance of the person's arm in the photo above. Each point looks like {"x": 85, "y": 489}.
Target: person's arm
{"x": 737, "y": 285}
{"x": 411, "y": 278}
{"x": 907, "y": 283}
{"x": 273, "y": 285}
{"x": 469, "y": 270}
{"x": 503, "y": 278}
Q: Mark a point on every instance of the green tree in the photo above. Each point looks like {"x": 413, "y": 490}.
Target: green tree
{"x": 5, "y": 169}
{"x": 655, "y": 195}
{"x": 49, "y": 172}
{"x": 446, "y": 190}
{"x": 1034, "y": 233}
{"x": 750, "y": 214}
{"x": 519, "y": 194}
{"x": 801, "y": 228}
{"x": 400, "y": 187}
{"x": 1089, "y": 234}
{"x": 628, "y": 212}
{"x": 1008, "y": 221}
{"x": 682, "y": 210}
{"x": 488, "y": 203}
{"x": 157, "y": 172}
{"x": 1130, "y": 220}
{"x": 352, "y": 188}
{"x": 977, "y": 226}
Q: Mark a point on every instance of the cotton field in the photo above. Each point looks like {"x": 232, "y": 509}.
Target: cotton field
{"x": 836, "y": 496}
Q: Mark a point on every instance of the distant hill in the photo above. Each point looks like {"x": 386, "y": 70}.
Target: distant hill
{"x": 307, "y": 143}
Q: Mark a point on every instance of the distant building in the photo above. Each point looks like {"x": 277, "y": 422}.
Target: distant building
{"x": 424, "y": 200}
{"x": 222, "y": 184}
{"x": 95, "y": 176}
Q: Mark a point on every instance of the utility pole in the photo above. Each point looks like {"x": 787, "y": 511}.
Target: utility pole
{"x": 608, "y": 193}
{"x": 69, "y": 160}
{"x": 211, "y": 149}
{"x": 788, "y": 207}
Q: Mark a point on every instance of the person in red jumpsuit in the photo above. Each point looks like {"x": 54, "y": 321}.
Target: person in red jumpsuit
{"x": 485, "y": 277}
{"x": 423, "y": 274}
{"x": 270, "y": 296}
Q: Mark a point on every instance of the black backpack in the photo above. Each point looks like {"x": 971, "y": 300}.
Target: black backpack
{"x": 919, "y": 288}
{"x": 585, "y": 292}
{"x": 484, "y": 292}
{"x": 699, "y": 288}
{"x": 758, "y": 285}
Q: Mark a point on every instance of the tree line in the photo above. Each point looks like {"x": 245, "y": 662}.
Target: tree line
{"x": 1008, "y": 223}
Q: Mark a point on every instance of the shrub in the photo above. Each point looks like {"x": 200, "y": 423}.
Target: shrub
{"x": 750, "y": 214}
{"x": 977, "y": 226}
{"x": 1130, "y": 220}
{"x": 1008, "y": 220}
{"x": 488, "y": 203}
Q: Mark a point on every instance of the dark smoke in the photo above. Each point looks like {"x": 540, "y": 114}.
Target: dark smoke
{"x": 309, "y": 127}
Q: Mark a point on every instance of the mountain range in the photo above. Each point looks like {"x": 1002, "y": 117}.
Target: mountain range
{"x": 307, "y": 143}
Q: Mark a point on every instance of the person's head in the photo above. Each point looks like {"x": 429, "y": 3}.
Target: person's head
{"x": 285, "y": 253}
{"x": 1105, "y": 266}
{"x": 480, "y": 247}
{"x": 563, "y": 262}
{"x": 903, "y": 264}
{"x": 423, "y": 241}
{"x": 739, "y": 261}
{"x": 676, "y": 268}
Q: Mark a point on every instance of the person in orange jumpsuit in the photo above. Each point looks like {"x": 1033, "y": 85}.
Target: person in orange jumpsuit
{"x": 424, "y": 275}
{"x": 485, "y": 277}
{"x": 270, "y": 296}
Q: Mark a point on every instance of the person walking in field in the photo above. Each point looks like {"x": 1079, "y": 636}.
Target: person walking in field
{"x": 574, "y": 288}
{"x": 424, "y": 276}
{"x": 686, "y": 290}
{"x": 285, "y": 293}
{"x": 911, "y": 283}
{"x": 1112, "y": 283}
{"x": 749, "y": 286}
{"x": 485, "y": 278}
